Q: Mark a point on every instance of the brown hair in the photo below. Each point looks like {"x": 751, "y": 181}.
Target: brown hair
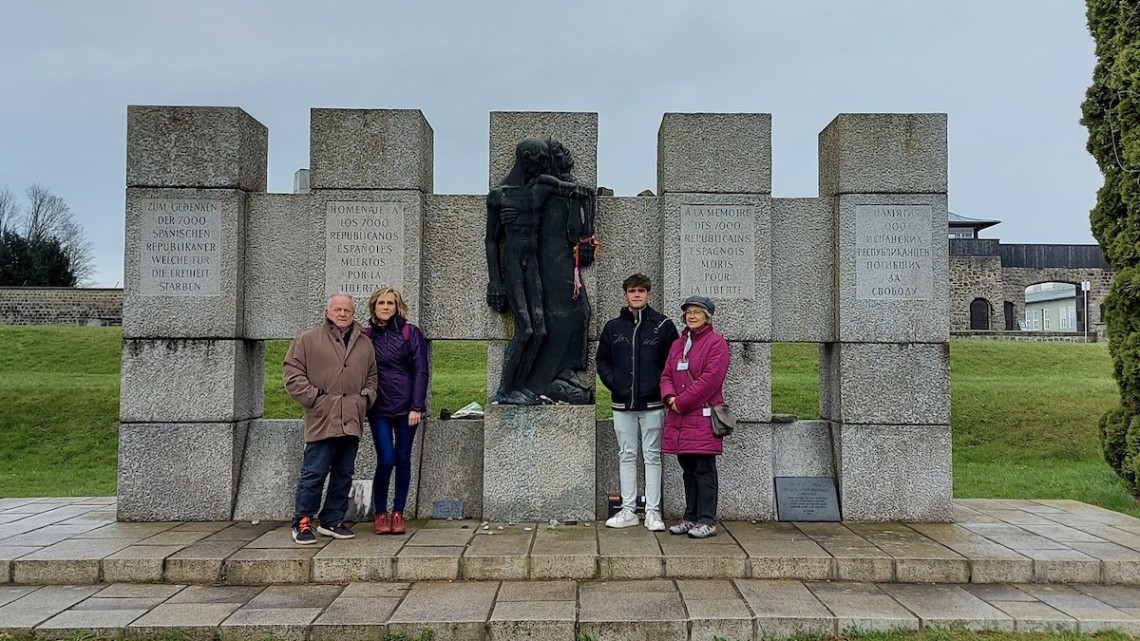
{"x": 636, "y": 280}
{"x": 401, "y": 306}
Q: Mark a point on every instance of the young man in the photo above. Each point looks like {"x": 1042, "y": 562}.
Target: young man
{"x": 331, "y": 371}
{"x": 631, "y": 355}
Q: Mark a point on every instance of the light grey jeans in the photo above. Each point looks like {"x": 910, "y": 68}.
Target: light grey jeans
{"x": 629, "y": 428}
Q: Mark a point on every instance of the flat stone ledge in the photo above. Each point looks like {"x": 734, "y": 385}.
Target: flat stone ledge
{"x": 990, "y": 542}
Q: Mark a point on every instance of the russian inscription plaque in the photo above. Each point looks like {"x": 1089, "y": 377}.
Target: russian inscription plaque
{"x": 806, "y": 498}
{"x": 180, "y": 248}
{"x": 718, "y": 251}
{"x": 893, "y": 252}
{"x": 364, "y": 247}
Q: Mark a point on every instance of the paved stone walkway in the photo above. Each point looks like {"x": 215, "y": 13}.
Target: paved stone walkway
{"x": 76, "y": 541}
{"x": 667, "y": 609}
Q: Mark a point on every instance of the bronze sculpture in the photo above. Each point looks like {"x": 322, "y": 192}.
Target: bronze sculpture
{"x": 540, "y": 235}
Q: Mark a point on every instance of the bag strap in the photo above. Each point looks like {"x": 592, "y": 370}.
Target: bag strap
{"x": 693, "y": 380}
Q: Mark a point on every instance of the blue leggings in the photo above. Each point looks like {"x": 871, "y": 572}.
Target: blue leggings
{"x": 393, "y": 439}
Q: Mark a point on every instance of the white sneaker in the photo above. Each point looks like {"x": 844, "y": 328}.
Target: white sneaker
{"x": 682, "y": 527}
{"x": 625, "y": 518}
{"x": 702, "y": 531}
{"x": 653, "y": 521}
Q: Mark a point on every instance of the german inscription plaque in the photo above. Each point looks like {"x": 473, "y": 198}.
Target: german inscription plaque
{"x": 180, "y": 252}
{"x": 718, "y": 251}
{"x": 364, "y": 247}
{"x": 806, "y": 498}
{"x": 893, "y": 252}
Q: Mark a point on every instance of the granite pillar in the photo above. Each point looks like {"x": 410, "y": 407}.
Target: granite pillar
{"x": 885, "y": 378}
{"x": 190, "y": 382}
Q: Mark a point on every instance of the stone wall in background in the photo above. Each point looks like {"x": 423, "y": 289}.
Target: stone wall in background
{"x": 60, "y": 306}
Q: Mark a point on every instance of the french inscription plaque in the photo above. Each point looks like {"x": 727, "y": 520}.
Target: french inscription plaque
{"x": 893, "y": 252}
{"x": 806, "y": 498}
{"x": 364, "y": 247}
{"x": 718, "y": 251}
{"x": 180, "y": 249}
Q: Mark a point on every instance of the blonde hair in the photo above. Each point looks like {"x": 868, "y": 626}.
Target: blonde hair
{"x": 401, "y": 306}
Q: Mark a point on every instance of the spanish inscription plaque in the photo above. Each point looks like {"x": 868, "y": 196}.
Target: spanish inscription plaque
{"x": 718, "y": 251}
{"x": 806, "y": 498}
{"x": 364, "y": 247}
{"x": 181, "y": 247}
{"x": 893, "y": 252}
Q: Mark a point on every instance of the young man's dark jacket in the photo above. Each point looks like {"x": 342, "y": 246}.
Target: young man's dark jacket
{"x": 631, "y": 354}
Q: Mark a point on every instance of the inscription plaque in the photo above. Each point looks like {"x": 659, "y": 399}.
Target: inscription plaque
{"x": 364, "y": 247}
{"x": 180, "y": 249}
{"x": 718, "y": 251}
{"x": 806, "y": 498}
{"x": 893, "y": 252}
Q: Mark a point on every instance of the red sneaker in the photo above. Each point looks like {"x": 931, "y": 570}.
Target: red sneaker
{"x": 398, "y": 526}
{"x": 382, "y": 524}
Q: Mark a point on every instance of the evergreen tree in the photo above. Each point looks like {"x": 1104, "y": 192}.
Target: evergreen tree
{"x": 36, "y": 262}
{"x": 1111, "y": 112}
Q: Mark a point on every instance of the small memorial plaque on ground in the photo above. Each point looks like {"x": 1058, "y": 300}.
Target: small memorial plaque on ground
{"x": 806, "y": 498}
{"x": 447, "y": 510}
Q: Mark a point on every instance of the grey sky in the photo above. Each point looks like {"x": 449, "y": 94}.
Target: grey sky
{"x": 1011, "y": 74}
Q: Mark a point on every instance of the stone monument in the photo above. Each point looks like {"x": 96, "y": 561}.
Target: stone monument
{"x": 215, "y": 265}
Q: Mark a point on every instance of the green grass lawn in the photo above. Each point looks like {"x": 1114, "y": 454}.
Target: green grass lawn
{"x": 1024, "y": 414}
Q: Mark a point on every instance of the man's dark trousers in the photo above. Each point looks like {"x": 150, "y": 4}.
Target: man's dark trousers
{"x": 333, "y": 457}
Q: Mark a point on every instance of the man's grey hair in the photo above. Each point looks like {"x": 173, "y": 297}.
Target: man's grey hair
{"x": 328, "y": 305}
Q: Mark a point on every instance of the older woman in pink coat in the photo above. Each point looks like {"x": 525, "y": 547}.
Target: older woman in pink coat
{"x": 693, "y": 380}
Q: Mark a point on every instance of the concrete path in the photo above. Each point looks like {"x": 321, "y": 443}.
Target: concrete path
{"x": 76, "y": 541}
{"x": 68, "y": 568}
{"x": 666, "y": 609}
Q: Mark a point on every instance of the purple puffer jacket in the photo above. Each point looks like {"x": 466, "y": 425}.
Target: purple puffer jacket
{"x": 402, "y": 365}
{"x": 689, "y": 429}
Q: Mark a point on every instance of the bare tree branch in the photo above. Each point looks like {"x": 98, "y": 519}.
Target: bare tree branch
{"x": 48, "y": 216}
{"x": 9, "y": 210}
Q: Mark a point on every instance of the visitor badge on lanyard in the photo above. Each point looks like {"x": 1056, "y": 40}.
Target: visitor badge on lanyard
{"x": 682, "y": 366}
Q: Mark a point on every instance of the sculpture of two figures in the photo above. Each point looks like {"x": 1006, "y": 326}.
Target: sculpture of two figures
{"x": 540, "y": 236}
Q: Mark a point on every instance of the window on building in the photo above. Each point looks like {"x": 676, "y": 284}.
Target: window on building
{"x": 1045, "y": 320}
{"x": 1063, "y": 317}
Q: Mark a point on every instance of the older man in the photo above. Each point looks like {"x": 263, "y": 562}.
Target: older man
{"x": 331, "y": 371}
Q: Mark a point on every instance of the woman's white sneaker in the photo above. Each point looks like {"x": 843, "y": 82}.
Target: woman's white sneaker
{"x": 625, "y": 518}
{"x": 702, "y": 531}
{"x": 653, "y": 521}
{"x": 682, "y": 527}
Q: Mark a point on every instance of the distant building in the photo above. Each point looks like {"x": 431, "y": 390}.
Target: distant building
{"x": 996, "y": 286}
{"x": 962, "y": 227}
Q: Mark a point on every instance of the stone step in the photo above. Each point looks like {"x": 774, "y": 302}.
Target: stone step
{"x": 77, "y": 541}
{"x": 669, "y": 609}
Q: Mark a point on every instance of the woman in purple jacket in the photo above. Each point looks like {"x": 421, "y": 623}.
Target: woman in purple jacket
{"x": 402, "y": 364}
{"x": 693, "y": 380}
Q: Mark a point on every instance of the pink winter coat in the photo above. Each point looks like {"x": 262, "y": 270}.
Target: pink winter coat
{"x": 689, "y": 429}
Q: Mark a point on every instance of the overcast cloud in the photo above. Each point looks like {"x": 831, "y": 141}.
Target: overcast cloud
{"x": 1010, "y": 74}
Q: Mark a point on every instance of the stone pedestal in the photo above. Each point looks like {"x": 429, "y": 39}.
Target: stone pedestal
{"x": 894, "y": 472}
{"x": 179, "y": 471}
{"x": 538, "y": 463}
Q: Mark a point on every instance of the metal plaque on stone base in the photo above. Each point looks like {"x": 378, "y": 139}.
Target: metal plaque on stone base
{"x": 447, "y": 510}
{"x": 806, "y": 498}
